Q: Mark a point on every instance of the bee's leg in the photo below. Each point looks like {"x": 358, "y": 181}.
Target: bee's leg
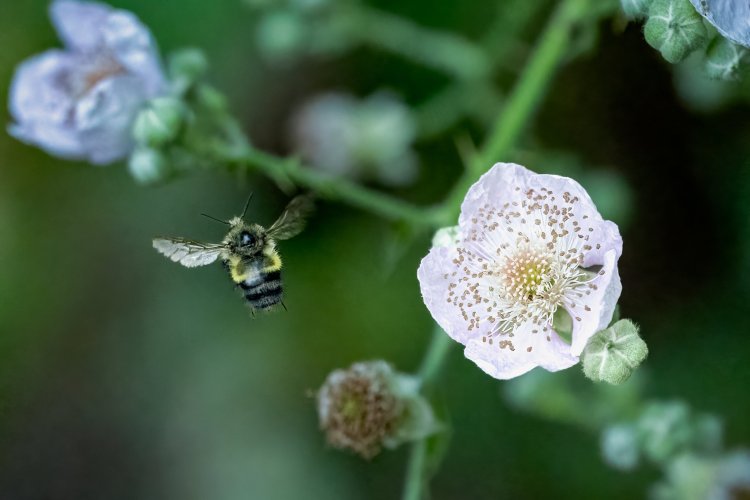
{"x": 284, "y": 306}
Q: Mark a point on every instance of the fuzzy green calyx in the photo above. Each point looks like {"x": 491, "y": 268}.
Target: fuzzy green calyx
{"x": 674, "y": 28}
{"x": 635, "y": 9}
{"x": 724, "y": 59}
{"x": 614, "y": 353}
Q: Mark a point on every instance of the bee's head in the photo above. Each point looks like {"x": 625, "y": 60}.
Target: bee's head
{"x": 243, "y": 238}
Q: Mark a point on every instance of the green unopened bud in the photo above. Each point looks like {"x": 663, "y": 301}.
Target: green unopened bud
{"x": 159, "y": 122}
{"x": 370, "y": 406}
{"x": 635, "y": 9}
{"x": 188, "y": 65}
{"x": 724, "y": 59}
{"x": 708, "y": 434}
{"x": 613, "y": 354}
{"x": 148, "y": 166}
{"x": 280, "y": 34}
{"x": 674, "y": 28}
{"x": 620, "y": 446}
{"x": 665, "y": 429}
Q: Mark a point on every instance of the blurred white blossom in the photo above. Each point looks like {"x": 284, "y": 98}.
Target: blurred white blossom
{"x": 530, "y": 245}
{"x": 80, "y": 102}
{"x": 369, "y": 139}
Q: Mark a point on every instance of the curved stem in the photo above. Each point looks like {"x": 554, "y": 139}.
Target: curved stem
{"x": 527, "y": 93}
{"x": 415, "y": 472}
{"x": 522, "y": 102}
{"x": 290, "y": 172}
{"x": 444, "y": 51}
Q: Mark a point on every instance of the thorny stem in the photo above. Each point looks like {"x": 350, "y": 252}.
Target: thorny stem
{"x": 522, "y": 102}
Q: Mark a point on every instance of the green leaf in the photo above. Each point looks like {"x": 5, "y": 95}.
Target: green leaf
{"x": 635, "y": 9}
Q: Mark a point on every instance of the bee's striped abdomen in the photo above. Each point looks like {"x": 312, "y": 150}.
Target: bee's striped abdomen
{"x": 265, "y": 292}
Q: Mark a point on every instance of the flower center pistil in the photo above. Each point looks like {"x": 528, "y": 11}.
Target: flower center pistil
{"x": 527, "y": 274}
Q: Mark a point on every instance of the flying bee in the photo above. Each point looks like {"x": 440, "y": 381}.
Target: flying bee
{"x": 248, "y": 252}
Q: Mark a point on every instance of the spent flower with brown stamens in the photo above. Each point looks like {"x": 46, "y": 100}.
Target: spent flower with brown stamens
{"x": 370, "y": 406}
{"x": 529, "y": 245}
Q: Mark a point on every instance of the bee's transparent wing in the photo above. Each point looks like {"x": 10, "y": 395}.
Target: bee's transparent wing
{"x": 292, "y": 221}
{"x": 187, "y": 252}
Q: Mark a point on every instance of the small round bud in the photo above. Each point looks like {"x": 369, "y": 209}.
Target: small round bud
{"x": 612, "y": 355}
{"x": 280, "y": 34}
{"x": 620, "y": 446}
{"x": 188, "y": 64}
{"x": 211, "y": 98}
{"x": 674, "y": 28}
{"x": 447, "y": 237}
{"x": 724, "y": 59}
{"x": 635, "y": 9}
{"x": 665, "y": 429}
{"x": 159, "y": 122}
{"x": 148, "y": 166}
{"x": 369, "y": 406}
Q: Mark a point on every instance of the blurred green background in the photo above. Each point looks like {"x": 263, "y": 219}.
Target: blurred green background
{"x": 125, "y": 376}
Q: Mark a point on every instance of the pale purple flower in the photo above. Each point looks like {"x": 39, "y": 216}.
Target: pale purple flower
{"x": 80, "y": 102}
{"x": 528, "y": 245}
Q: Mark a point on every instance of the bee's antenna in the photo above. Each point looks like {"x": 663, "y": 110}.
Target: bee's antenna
{"x": 217, "y": 220}
{"x": 247, "y": 204}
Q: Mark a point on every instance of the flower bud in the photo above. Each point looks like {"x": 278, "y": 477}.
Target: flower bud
{"x": 148, "y": 165}
{"x": 620, "y": 446}
{"x": 159, "y": 122}
{"x": 724, "y": 59}
{"x": 612, "y": 355}
{"x": 635, "y": 9}
{"x": 370, "y": 406}
{"x": 188, "y": 65}
{"x": 281, "y": 34}
{"x": 674, "y": 28}
{"x": 665, "y": 429}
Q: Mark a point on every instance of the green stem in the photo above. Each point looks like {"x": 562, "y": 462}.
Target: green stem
{"x": 443, "y": 51}
{"x": 335, "y": 188}
{"x": 434, "y": 358}
{"x": 527, "y": 93}
{"x": 522, "y": 102}
{"x": 415, "y": 472}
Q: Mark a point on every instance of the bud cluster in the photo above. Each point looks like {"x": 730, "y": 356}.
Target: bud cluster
{"x": 677, "y": 28}
{"x": 662, "y": 432}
